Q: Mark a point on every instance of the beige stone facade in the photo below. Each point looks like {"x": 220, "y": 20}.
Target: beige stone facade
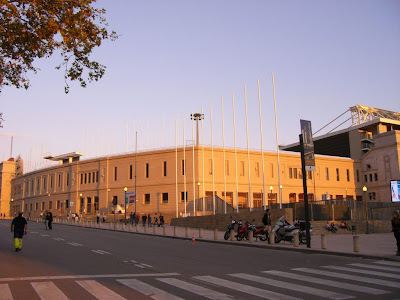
{"x": 7, "y": 173}
{"x": 89, "y": 185}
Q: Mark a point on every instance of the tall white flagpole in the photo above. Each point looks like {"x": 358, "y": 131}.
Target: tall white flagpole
{"x": 184, "y": 165}
{"x": 194, "y": 186}
{"x": 248, "y": 150}
{"x": 223, "y": 149}
{"x": 277, "y": 144}
{"x": 212, "y": 160}
{"x": 176, "y": 167}
{"x": 202, "y": 150}
{"x": 262, "y": 145}
{"x": 234, "y": 139}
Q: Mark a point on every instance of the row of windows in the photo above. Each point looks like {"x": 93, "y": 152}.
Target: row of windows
{"x": 90, "y": 177}
{"x": 58, "y": 205}
{"x": 371, "y": 177}
{"x": 338, "y": 174}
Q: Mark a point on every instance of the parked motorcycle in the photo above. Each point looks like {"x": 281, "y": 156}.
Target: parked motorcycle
{"x": 301, "y": 225}
{"x": 231, "y": 226}
{"x": 259, "y": 232}
{"x": 284, "y": 231}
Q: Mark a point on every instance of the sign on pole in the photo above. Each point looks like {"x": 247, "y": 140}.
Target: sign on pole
{"x": 308, "y": 144}
{"x": 130, "y": 198}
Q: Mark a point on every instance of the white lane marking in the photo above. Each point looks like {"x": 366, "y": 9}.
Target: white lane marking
{"x": 382, "y": 268}
{"x": 199, "y": 290}
{"x": 85, "y": 276}
{"x": 48, "y": 291}
{"x": 292, "y": 286}
{"x": 134, "y": 261}
{"x": 350, "y": 277}
{"x": 388, "y": 263}
{"x": 58, "y": 239}
{"x": 33, "y": 232}
{"x": 5, "y": 293}
{"x": 332, "y": 283}
{"x": 362, "y": 271}
{"x": 245, "y": 288}
{"x": 98, "y": 290}
{"x": 139, "y": 266}
{"x": 44, "y": 235}
{"x": 146, "y": 265}
{"x": 75, "y": 244}
{"x": 101, "y": 252}
{"x": 148, "y": 290}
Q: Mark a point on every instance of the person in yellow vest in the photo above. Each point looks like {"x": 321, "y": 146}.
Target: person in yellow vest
{"x": 19, "y": 226}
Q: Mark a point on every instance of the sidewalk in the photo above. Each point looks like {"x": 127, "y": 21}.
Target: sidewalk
{"x": 373, "y": 246}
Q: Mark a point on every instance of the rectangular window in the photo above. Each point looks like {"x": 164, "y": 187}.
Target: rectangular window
{"x": 272, "y": 170}
{"x": 44, "y": 183}
{"x": 295, "y": 173}
{"x": 165, "y": 197}
{"x": 93, "y": 177}
{"x": 327, "y": 173}
{"x": 147, "y": 170}
{"x": 165, "y": 169}
{"x": 210, "y": 166}
{"x": 89, "y": 177}
{"x": 42, "y": 206}
{"x": 376, "y": 176}
{"x": 58, "y": 204}
{"x": 358, "y": 175}
{"x": 130, "y": 172}
{"x": 115, "y": 173}
{"x": 365, "y": 178}
{"x": 97, "y": 176}
{"x": 59, "y": 180}
{"x": 85, "y": 178}
{"x": 38, "y": 184}
{"x": 66, "y": 203}
{"x": 348, "y": 174}
{"x": 81, "y": 178}
{"x": 146, "y": 198}
{"x": 89, "y": 205}
{"x": 337, "y": 174}
{"x": 183, "y": 196}
{"x": 50, "y": 204}
{"x": 36, "y": 206}
{"x": 227, "y": 167}
{"x": 290, "y": 173}
{"x": 241, "y": 168}
{"x": 370, "y": 177}
{"x": 257, "y": 169}
{"x": 310, "y": 175}
{"x": 67, "y": 179}
{"x": 96, "y": 203}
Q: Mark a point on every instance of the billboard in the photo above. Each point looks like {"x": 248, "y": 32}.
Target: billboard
{"x": 395, "y": 190}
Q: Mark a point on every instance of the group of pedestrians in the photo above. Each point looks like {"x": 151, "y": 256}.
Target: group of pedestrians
{"x": 48, "y": 220}
{"x": 158, "y": 220}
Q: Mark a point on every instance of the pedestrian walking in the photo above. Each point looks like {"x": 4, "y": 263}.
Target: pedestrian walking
{"x": 50, "y": 223}
{"x": 156, "y": 220}
{"x": 396, "y": 229}
{"x": 19, "y": 226}
{"x": 161, "y": 220}
{"x": 131, "y": 216}
{"x": 137, "y": 219}
{"x": 149, "y": 220}
{"x": 46, "y": 219}
{"x": 144, "y": 219}
{"x": 98, "y": 217}
{"x": 266, "y": 220}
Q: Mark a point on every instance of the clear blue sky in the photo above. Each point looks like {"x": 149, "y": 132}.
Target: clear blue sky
{"x": 175, "y": 57}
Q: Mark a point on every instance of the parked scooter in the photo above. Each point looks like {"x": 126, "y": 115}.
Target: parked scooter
{"x": 231, "y": 226}
{"x": 301, "y": 225}
{"x": 259, "y": 232}
{"x": 284, "y": 231}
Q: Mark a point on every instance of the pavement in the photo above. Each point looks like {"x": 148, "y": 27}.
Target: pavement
{"x": 371, "y": 246}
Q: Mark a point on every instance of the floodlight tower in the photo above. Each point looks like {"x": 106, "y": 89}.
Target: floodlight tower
{"x": 197, "y": 117}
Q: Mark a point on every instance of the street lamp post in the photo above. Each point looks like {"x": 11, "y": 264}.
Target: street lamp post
{"x": 271, "y": 188}
{"x": 125, "y": 189}
{"x": 366, "y": 208}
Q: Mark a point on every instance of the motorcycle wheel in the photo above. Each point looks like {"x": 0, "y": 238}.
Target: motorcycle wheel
{"x": 263, "y": 237}
{"x": 240, "y": 236}
{"x": 277, "y": 240}
{"x": 226, "y": 236}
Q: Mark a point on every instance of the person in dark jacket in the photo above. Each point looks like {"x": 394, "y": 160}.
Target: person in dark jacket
{"x": 50, "y": 220}
{"x": 266, "y": 220}
{"x": 396, "y": 229}
{"x": 19, "y": 226}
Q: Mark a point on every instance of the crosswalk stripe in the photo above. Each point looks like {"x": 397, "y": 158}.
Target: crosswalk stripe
{"x": 336, "y": 284}
{"x": 202, "y": 291}
{"x": 48, "y": 291}
{"x": 245, "y": 288}
{"x": 388, "y": 263}
{"x": 361, "y": 271}
{"x": 5, "y": 293}
{"x": 98, "y": 290}
{"x": 148, "y": 290}
{"x": 293, "y": 286}
{"x": 382, "y": 268}
{"x": 350, "y": 277}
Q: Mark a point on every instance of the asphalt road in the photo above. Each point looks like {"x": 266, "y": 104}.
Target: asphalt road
{"x": 85, "y": 263}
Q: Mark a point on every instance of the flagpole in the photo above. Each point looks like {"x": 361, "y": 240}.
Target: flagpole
{"x": 277, "y": 144}
{"x": 194, "y": 186}
{"x": 248, "y": 150}
{"x": 184, "y": 165}
{"x": 212, "y": 160}
{"x": 202, "y": 150}
{"x": 234, "y": 139}
{"x": 262, "y": 145}
{"x": 223, "y": 149}
{"x": 176, "y": 166}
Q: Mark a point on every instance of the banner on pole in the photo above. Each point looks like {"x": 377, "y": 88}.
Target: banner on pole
{"x": 130, "y": 198}
{"x": 308, "y": 145}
